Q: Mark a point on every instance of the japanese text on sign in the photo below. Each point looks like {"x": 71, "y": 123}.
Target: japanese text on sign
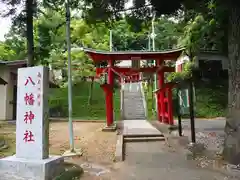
{"x": 32, "y": 126}
{"x": 29, "y": 101}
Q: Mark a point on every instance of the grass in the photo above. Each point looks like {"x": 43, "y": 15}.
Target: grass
{"x": 81, "y": 109}
{"x": 211, "y": 100}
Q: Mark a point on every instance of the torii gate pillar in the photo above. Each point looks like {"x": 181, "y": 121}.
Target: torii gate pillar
{"x": 108, "y": 89}
{"x": 160, "y": 96}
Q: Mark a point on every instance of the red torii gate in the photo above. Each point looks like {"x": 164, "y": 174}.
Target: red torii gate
{"x": 164, "y": 92}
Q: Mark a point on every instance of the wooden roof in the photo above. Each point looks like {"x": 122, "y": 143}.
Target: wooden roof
{"x": 99, "y": 56}
{"x": 14, "y": 63}
{"x": 22, "y": 63}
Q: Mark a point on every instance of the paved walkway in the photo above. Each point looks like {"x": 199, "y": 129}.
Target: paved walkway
{"x": 139, "y": 128}
{"x": 154, "y": 161}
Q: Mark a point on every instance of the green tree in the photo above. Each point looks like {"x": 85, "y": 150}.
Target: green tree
{"x": 25, "y": 16}
{"x": 125, "y": 38}
{"x": 6, "y": 53}
{"x": 82, "y": 35}
{"x": 168, "y": 32}
{"x": 49, "y": 33}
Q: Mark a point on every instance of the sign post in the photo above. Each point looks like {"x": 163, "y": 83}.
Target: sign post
{"x": 32, "y": 127}
{"x": 183, "y": 101}
{"x": 32, "y": 159}
{"x": 186, "y": 97}
{"x": 183, "y": 93}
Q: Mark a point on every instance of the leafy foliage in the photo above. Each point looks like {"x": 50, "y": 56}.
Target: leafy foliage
{"x": 6, "y": 53}
{"x": 186, "y": 74}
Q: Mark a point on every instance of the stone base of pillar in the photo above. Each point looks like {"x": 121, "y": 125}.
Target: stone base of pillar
{"x": 111, "y": 128}
{"x": 27, "y": 169}
{"x": 75, "y": 152}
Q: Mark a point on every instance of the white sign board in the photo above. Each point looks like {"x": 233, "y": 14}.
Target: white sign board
{"x": 32, "y": 131}
{"x": 180, "y": 62}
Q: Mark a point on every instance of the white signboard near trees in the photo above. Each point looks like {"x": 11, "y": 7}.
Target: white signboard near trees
{"x": 32, "y": 113}
{"x": 183, "y": 94}
{"x": 32, "y": 160}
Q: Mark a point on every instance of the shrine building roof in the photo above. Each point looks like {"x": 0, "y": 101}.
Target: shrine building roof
{"x": 99, "y": 56}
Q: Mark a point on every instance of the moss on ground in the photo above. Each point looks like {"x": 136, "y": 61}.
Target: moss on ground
{"x": 71, "y": 172}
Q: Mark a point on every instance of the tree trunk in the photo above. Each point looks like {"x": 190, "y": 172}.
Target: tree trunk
{"x": 91, "y": 91}
{"x": 232, "y": 128}
{"x": 30, "y": 43}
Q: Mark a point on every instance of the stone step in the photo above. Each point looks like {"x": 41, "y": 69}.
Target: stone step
{"x": 132, "y": 93}
{"x": 134, "y": 112}
{"x": 134, "y": 117}
{"x": 143, "y": 139}
{"x": 133, "y": 97}
{"x": 133, "y": 100}
{"x": 127, "y": 118}
{"x": 133, "y": 108}
{"x": 133, "y": 103}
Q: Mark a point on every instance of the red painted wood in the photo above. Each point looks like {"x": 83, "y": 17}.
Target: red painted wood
{"x": 108, "y": 90}
{"x": 131, "y": 70}
{"x": 170, "y": 107}
{"x": 98, "y": 56}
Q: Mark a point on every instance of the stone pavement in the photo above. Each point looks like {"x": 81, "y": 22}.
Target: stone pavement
{"x": 156, "y": 161}
{"x": 139, "y": 128}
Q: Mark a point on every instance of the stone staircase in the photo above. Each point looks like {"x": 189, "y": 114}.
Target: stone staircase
{"x": 133, "y": 104}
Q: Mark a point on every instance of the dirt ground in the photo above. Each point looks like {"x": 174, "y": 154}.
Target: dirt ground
{"x": 98, "y": 147}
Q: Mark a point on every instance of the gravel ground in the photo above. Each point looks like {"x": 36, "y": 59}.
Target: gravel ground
{"x": 209, "y": 134}
{"x": 98, "y": 147}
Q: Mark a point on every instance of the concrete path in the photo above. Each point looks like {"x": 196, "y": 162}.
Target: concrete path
{"x": 154, "y": 161}
{"x": 139, "y": 128}
{"x": 158, "y": 161}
